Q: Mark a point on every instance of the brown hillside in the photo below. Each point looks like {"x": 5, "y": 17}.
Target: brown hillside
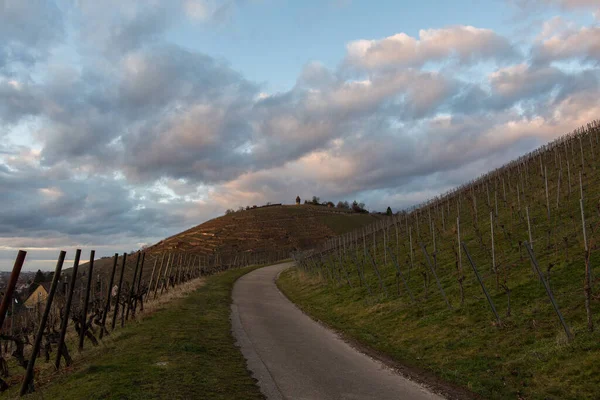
{"x": 282, "y": 228}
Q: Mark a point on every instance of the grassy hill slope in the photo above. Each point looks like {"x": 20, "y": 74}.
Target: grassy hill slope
{"x": 539, "y": 198}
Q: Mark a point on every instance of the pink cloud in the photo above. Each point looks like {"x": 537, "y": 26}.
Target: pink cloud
{"x": 466, "y": 43}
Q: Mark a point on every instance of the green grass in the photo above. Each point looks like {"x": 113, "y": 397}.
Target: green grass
{"x": 529, "y": 356}
{"x": 460, "y": 346}
{"x": 184, "y": 351}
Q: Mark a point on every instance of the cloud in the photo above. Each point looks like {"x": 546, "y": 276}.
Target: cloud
{"x": 133, "y": 137}
{"x": 28, "y": 28}
{"x": 466, "y": 44}
{"x": 564, "y": 4}
{"x": 560, "y": 40}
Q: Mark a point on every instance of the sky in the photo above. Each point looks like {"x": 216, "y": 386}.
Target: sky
{"x": 125, "y": 122}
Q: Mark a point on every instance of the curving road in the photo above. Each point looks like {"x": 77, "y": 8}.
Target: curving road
{"x": 293, "y": 357}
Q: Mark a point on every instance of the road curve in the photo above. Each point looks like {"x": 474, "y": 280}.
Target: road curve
{"x": 294, "y": 357}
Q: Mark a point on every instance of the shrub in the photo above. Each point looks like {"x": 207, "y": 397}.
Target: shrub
{"x": 358, "y": 207}
{"x": 343, "y": 205}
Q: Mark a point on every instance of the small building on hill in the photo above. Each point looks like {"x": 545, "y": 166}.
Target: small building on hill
{"x": 38, "y": 296}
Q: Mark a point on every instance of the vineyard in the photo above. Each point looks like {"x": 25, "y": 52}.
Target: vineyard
{"x": 88, "y": 301}
{"x": 258, "y": 231}
{"x": 491, "y": 286}
{"x": 81, "y": 310}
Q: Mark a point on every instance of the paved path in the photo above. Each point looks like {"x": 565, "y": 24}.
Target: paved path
{"x": 293, "y": 357}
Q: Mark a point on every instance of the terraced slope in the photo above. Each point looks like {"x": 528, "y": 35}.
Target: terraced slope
{"x": 282, "y": 228}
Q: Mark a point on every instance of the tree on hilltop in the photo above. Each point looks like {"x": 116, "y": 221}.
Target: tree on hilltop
{"x": 343, "y": 205}
{"x": 358, "y": 207}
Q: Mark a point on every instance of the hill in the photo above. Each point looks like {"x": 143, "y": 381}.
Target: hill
{"x": 243, "y": 236}
{"x": 280, "y": 227}
{"x": 416, "y": 297}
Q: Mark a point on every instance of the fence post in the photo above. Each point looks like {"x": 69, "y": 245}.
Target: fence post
{"x": 399, "y": 273}
{"x": 65, "y": 320}
{"x": 132, "y": 290}
{"x": 152, "y": 276}
{"x": 165, "y": 283}
{"x": 549, "y": 291}
{"x": 12, "y": 282}
{"x": 487, "y": 295}
{"x": 108, "y": 295}
{"x": 139, "y": 286}
{"x": 381, "y": 284}
{"x": 87, "y": 301}
{"x": 27, "y": 386}
{"x": 436, "y": 277}
{"x": 158, "y": 279}
{"x": 114, "y": 321}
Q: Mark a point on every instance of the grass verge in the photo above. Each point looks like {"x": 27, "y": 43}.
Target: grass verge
{"x": 184, "y": 350}
{"x": 458, "y": 347}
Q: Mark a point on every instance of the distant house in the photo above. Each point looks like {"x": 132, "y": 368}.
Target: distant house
{"x": 38, "y": 296}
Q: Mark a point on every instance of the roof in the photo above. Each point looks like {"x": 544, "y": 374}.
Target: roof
{"x": 46, "y": 286}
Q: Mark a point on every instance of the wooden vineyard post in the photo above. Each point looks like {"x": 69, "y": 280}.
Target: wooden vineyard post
{"x": 411, "y": 251}
{"x": 87, "y": 300}
{"x": 547, "y": 197}
{"x": 116, "y": 311}
{"x": 397, "y": 239}
{"x": 341, "y": 262}
{"x": 65, "y": 318}
{"x": 27, "y": 385}
{"x": 12, "y": 283}
{"x": 583, "y": 224}
{"x": 359, "y": 271}
{"x": 529, "y": 232}
{"x": 437, "y": 281}
{"x": 569, "y": 176}
{"x": 108, "y": 295}
{"x": 336, "y": 273}
{"x": 558, "y": 189}
{"x": 580, "y": 186}
{"x": 132, "y": 289}
{"x": 581, "y": 148}
{"x": 529, "y": 226}
{"x": 493, "y": 248}
{"x": 399, "y": 275}
{"x": 152, "y": 276}
{"x": 139, "y": 285}
{"x": 495, "y": 202}
{"x": 549, "y": 292}
{"x": 162, "y": 281}
{"x": 381, "y": 284}
{"x": 384, "y": 247}
{"x": 587, "y": 285}
{"x": 458, "y": 240}
{"x": 487, "y": 295}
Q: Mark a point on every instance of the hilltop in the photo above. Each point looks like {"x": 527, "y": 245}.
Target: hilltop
{"x": 280, "y": 228}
